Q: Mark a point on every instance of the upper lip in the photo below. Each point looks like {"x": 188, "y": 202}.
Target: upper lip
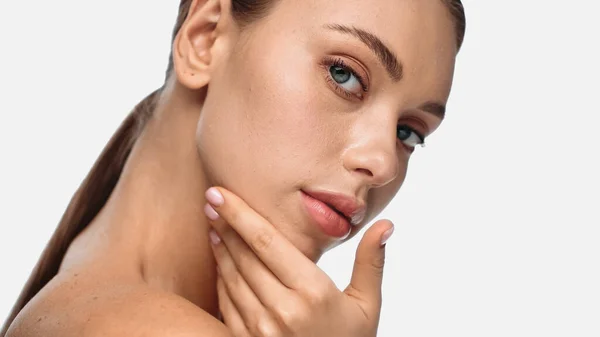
{"x": 352, "y": 208}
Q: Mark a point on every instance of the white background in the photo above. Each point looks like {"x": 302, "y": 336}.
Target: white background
{"x": 497, "y": 224}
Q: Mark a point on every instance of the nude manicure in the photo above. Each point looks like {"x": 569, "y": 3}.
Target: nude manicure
{"x": 210, "y": 212}
{"x": 214, "y": 237}
{"x": 214, "y": 197}
{"x": 386, "y": 236}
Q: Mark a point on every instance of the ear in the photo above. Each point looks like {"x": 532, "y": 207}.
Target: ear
{"x": 193, "y": 47}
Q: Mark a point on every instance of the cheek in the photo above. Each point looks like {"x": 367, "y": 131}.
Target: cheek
{"x": 286, "y": 116}
{"x": 267, "y": 114}
{"x": 285, "y": 107}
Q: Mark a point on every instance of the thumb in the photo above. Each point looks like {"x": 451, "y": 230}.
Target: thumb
{"x": 367, "y": 275}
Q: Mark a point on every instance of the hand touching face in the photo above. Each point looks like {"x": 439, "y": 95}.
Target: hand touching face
{"x": 267, "y": 287}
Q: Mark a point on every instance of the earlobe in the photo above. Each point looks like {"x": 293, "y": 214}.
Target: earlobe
{"x": 193, "y": 45}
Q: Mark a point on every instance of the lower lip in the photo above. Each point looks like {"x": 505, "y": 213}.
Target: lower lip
{"x": 330, "y": 222}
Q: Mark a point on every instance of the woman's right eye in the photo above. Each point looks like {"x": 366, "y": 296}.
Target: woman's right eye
{"x": 345, "y": 79}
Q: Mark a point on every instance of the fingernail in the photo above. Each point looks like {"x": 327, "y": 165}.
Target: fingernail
{"x": 214, "y": 237}
{"x": 210, "y": 212}
{"x": 214, "y": 197}
{"x": 386, "y": 236}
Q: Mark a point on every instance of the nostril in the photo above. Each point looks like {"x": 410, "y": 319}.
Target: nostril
{"x": 365, "y": 171}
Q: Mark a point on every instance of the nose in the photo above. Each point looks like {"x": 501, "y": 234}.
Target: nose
{"x": 373, "y": 156}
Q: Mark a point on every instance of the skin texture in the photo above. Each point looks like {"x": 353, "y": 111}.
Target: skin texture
{"x": 252, "y": 111}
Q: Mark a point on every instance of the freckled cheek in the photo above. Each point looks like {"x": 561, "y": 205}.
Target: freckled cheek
{"x": 292, "y": 109}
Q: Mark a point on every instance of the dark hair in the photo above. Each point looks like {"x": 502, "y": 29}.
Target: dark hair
{"x": 98, "y": 185}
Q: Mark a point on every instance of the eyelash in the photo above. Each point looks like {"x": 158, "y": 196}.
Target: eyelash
{"x": 339, "y": 62}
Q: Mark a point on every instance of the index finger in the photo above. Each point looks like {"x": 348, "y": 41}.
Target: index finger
{"x": 286, "y": 262}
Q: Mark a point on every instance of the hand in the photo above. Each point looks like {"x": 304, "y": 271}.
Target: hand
{"x": 268, "y": 288}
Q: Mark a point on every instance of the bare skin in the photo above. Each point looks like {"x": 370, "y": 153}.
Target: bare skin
{"x": 253, "y": 111}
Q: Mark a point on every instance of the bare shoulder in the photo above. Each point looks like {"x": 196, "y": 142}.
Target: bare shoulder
{"x": 115, "y": 312}
{"x": 148, "y": 312}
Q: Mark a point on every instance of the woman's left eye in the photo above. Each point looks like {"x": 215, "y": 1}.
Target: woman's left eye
{"x": 409, "y": 136}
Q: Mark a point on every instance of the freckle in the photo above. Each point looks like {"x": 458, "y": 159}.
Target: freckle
{"x": 95, "y": 298}
{"x": 39, "y": 319}
{"x": 76, "y": 274}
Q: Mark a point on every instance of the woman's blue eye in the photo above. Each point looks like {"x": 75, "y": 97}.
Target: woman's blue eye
{"x": 409, "y": 136}
{"x": 340, "y": 75}
{"x": 346, "y": 79}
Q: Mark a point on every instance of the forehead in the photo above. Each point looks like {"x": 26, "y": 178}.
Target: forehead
{"x": 420, "y": 33}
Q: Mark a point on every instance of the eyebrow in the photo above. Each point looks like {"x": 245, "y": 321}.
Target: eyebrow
{"x": 384, "y": 54}
{"x": 434, "y": 108}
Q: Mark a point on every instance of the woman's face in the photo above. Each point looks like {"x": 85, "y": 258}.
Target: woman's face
{"x": 326, "y": 96}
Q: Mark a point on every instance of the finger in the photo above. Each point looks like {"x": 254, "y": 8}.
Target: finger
{"x": 254, "y": 315}
{"x": 267, "y": 288}
{"x": 367, "y": 274}
{"x": 231, "y": 316}
{"x": 286, "y": 262}
{"x": 242, "y": 296}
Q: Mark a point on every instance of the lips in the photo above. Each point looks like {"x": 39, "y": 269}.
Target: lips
{"x": 335, "y": 213}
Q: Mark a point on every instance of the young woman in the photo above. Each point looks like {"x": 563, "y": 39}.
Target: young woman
{"x": 282, "y": 128}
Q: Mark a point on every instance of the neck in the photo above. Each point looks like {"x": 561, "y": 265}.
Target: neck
{"x": 154, "y": 218}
